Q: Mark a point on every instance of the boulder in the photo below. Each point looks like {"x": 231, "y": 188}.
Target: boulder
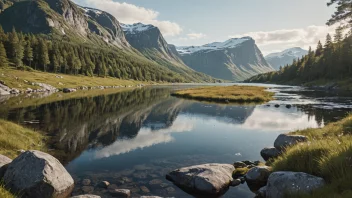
{"x": 120, "y": 193}
{"x": 285, "y": 140}
{"x": 37, "y": 174}
{"x": 4, "y": 162}
{"x": 269, "y": 153}
{"x": 262, "y": 192}
{"x": 280, "y": 183}
{"x": 210, "y": 179}
{"x": 86, "y": 196}
{"x": 69, "y": 90}
{"x": 258, "y": 175}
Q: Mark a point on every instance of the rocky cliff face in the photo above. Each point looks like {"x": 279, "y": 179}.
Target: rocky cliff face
{"x": 285, "y": 57}
{"x": 148, "y": 40}
{"x": 64, "y": 18}
{"x": 234, "y": 59}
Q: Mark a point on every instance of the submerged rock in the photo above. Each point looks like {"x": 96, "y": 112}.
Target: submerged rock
{"x": 269, "y": 153}
{"x": 37, "y": 174}
{"x": 293, "y": 183}
{"x": 285, "y": 140}
{"x": 121, "y": 193}
{"x": 210, "y": 179}
{"x": 4, "y": 163}
{"x": 239, "y": 165}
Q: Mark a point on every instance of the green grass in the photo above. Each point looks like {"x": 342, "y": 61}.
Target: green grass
{"x": 5, "y": 193}
{"x": 68, "y": 81}
{"x": 14, "y": 138}
{"x": 327, "y": 155}
{"x": 227, "y": 94}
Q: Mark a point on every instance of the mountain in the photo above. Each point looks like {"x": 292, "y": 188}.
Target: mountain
{"x": 148, "y": 40}
{"x": 89, "y": 41}
{"x": 235, "y": 59}
{"x": 285, "y": 57}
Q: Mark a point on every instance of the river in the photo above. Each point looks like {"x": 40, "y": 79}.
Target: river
{"x": 134, "y": 138}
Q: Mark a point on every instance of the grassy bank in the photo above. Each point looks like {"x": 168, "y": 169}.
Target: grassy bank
{"x": 22, "y": 79}
{"x": 222, "y": 94}
{"x": 328, "y": 155}
{"x": 14, "y": 138}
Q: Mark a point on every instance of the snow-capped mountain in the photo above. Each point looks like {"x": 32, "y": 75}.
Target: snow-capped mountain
{"x": 148, "y": 40}
{"x": 285, "y": 57}
{"x": 235, "y": 59}
{"x": 136, "y": 28}
{"x": 231, "y": 43}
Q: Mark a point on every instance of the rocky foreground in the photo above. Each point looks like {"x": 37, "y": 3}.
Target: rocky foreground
{"x": 37, "y": 174}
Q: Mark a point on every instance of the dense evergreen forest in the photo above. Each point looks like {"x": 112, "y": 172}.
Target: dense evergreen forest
{"x": 40, "y": 52}
{"x": 329, "y": 62}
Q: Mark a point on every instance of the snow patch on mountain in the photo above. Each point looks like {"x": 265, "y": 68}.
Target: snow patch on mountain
{"x": 87, "y": 10}
{"x": 135, "y": 28}
{"x": 231, "y": 43}
{"x": 294, "y": 52}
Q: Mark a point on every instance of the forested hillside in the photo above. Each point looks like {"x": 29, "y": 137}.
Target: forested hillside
{"x": 330, "y": 62}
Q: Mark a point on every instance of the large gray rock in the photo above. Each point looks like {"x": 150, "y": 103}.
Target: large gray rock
{"x": 285, "y": 140}
{"x": 210, "y": 179}
{"x": 258, "y": 175}
{"x": 37, "y": 174}
{"x": 4, "y": 162}
{"x": 280, "y": 183}
{"x": 4, "y": 90}
{"x": 269, "y": 153}
{"x": 86, "y": 196}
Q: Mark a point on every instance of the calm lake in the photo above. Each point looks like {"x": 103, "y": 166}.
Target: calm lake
{"x": 133, "y": 138}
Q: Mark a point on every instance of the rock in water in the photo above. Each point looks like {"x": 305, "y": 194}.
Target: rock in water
{"x": 121, "y": 193}
{"x": 286, "y": 140}
{"x": 4, "y": 162}
{"x": 210, "y": 179}
{"x": 36, "y": 174}
{"x": 269, "y": 153}
{"x": 258, "y": 175}
{"x": 293, "y": 183}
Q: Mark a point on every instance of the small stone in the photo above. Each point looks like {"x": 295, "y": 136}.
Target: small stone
{"x": 269, "y": 153}
{"x": 236, "y": 182}
{"x": 155, "y": 182}
{"x": 163, "y": 185}
{"x": 288, "y": 106}
{"x": 103, "y": 184}
{"x": 121, "y": 193}
{"x": 170, "y": 189}
{"x": 277, "y": 105}
{"x": 86, "y": 182}
{"x": 248, "y": 162}
{"x": 145, "y": 189}
{"x": 239, "y": 165}
{"x": 112, "y": 187}
{"x": 87, "y": 189}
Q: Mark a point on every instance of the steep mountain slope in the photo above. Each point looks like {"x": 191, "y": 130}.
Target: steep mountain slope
{"x": 150, "y": 42}
{"x": 235, "y": 59}
{"x": 62, "y": 18}
{"x": 285, "y": 57}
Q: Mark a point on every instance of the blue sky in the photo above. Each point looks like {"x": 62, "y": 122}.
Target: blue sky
{"x": 274, "y": 24}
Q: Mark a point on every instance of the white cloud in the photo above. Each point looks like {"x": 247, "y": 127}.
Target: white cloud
{"x": 278, "y": 40}
{"x": 196, "y": 35}
{"x": 129, "y": 13}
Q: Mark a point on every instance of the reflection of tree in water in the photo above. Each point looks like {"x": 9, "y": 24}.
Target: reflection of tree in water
{"x": 323, "y": 116}
{"x": 74, "y": 124}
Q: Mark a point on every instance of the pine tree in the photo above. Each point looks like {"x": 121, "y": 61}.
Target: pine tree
{"x": 328, "y": 42}
{"x": 16, "y": 49}
{"x": 319, "y": 49}
{"x": 43, "y": 54}
{"x": 28, "y": 53}
{"x": 343, "y": 13}
{"x": 338, "y": 34}
{"x": 3, "y": 57}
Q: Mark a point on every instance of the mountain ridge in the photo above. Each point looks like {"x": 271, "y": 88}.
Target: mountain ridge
{"x": 285, "y": 57}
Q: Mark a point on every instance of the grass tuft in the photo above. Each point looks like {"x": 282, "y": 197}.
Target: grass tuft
{"x": 226, "y": 94}
{"x": 328, "y": 155}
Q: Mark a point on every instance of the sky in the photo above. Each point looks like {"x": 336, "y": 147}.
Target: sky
{"x": 275, "y": 24}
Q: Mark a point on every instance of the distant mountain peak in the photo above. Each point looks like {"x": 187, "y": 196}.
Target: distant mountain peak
{"x": 231, "y": 43}
{"x": 285, "y": 57}
{"x": 136, "y": 28}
